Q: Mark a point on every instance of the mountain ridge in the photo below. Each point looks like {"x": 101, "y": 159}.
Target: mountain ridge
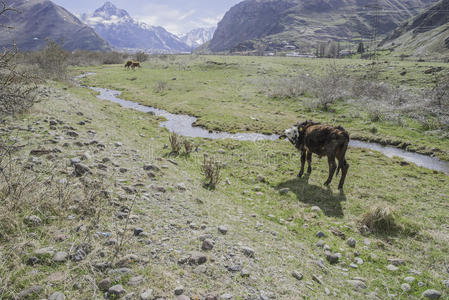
{"x": 39, "y": 20}
{"x": 122, "y": 31}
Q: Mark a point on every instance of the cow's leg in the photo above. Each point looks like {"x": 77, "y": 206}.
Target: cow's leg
{"x": 332, "y": 168}
{"x": 344, "y": 171}
{"x": 309, "y": 162}
{"x": 303, "y": 162}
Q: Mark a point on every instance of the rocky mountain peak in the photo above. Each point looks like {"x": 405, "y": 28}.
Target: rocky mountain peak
{"x": 109, "y": 10}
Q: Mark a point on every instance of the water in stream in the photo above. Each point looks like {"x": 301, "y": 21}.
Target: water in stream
{"x": 183, "y": 125}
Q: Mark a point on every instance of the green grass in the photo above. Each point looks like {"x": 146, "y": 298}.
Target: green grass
{"x": 226, "y": 94}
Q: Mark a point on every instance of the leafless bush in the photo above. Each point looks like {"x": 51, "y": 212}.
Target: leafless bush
{"x": 188, "y": 146}
{"x": 211, "y": 171}
{"x": 141, "y": 56}
{"x": 52, "y": 60}
{"x": 95, "y": 58}
{"x": 160, "y": 86}
{"x": 175, "y": 143}
{"x": 291, "y": 87}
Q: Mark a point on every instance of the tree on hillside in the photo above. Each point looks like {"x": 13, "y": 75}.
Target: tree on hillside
{"x": 361, "y": 48}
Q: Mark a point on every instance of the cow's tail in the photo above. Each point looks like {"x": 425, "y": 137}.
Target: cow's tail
{"x": 342, "y": 160}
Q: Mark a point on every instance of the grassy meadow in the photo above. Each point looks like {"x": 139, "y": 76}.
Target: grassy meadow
{"x": 259, "y": 198}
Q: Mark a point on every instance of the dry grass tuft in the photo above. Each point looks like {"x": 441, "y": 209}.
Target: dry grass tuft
{"x": 381, "y": 218}
{"x": 211, "y": 170}
{"x": 175, "y": 143}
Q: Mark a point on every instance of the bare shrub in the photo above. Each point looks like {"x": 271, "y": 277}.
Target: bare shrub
{"x": 95, "y": 58}
{"x": 381, "y": 218}
{"x": 211, "y": 171}
{"x": 141, "y": 56}
{"x": 175, "y": 143}
{"x": 188, "y": 146}
{"x": 160, "y": 86}
{"x": 290, "y": 87}
{"x": 53, "y": 61}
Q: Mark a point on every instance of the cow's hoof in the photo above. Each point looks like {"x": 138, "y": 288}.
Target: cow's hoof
{"x": 300, "y": 174}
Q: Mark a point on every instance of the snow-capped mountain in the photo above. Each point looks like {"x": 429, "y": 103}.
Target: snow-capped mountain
{"x": 118, "y": 28}
{"x": 198, "y": 37}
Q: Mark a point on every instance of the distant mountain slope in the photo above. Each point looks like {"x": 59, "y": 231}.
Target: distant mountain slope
{"x": 118, "y": 28}
{"x": 302, "y": 23}
{"x": 425, "y": 35}
{"x": 198, "y": 37}
{"x": 42, "y": 19}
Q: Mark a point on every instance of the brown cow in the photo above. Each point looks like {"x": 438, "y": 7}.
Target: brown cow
{"x": 128, "y": 64}
{"x": 135, "y": 65}
{"x": 324, "y": 140}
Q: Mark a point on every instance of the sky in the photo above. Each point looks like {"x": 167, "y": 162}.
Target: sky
{"x": 177, "y": 16}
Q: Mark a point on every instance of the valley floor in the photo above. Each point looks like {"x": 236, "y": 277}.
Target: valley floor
{"x": 108, "y": 211}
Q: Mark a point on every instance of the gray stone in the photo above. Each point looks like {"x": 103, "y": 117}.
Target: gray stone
{"x": 392, "y": 268}
{"x": 351, "y": 242}
{"x": 297, "y": 275}
{"x": 57, "y": 296}
{"x": 358, "y": 260}
{"x": 60, "y": 256}
{"x": 354, "y": 266}
{"x": 248, "y": 252}
{"x": 32, "y": 220}
{"x": 105, "y": 284}
{"x": 222, "y": 229}
{"x": 116, "y": 290}
{"x": 137, "y": 231}
{"x": 234, "y": 268}
{"x": 181, "y": 186}
{"x": 207, "y": 245}
{"x": 31, "y": 291}
{"x": 72, "y": 133}
{"x": 135, "y": 281}
{"x": 317, "y": 279}
{"x": 332, "y": 258}
{"x": 421, "y": 284}
{"x": 197, "y": 259}
{"x": 226, "y": 296}
{"x": 284, "y": 191}
{"x": 45, "y": 252}
{"x": 358, "y": 284}
{"x": 150, "y": 167}
{"x": 406, "y": 287}
{"x": 315, "y": 209}
{"x": 179, "y": 290}
{"x": 431, "y": 294}
{"x": 146, "y": 295}
{"x": 81, "y": 169}
{"x": 320, "y": 234}
{"x": 396, "y": 261}
{"x": 245, "y": 273}
{"x": 409, "y": 279}
{"x": 320, "y": 244}
{"x": 182, "y": 297}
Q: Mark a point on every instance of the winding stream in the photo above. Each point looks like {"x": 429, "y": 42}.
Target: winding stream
{"x": 183, "y": 125}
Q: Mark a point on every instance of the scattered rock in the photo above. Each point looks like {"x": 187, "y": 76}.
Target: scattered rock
{"x": 317, "y": 279}
{"x": 234, "y": 268}
{"x": 392, "y": 268}
{"x": 146, "y": 295}
{"x": 116, "y": 290}
{"x": 222, "y": 229}
{"x": 150, "y": 167}
{"x": 396, "y": 261}
{"x": 358, "y": 284}
{"x": 60, "y": 256}
{"x": 57, "y": 296}
{"x": 358, "y": 260}
{"x": 431, "y": 294}
{"x": 105, "y": 284}
{"x": 135, "y": 281}
{"x": 409, "y": 279}
{"x": 137, "y": 231}
{"x": 351, "y": 242}
{"x": 446, "y": 283}
{"x": 337, "y": 232}
{"x": 81, "y": 169}
{"x": 316, "y": 209}
{"x": 320, "y": 234}
{"x": 182, "y": 297}
{"x": 245, "y": 273}
{"x": 73, "y": 133}
{"x": 297, "y": 275}
{"x": 127, "y": 260}
{"x": 32, "y": 220}
{"x": 248, "y": 252}
{"x": 406, "y": 287}
{"x": 226, "y": 296}
{"x": 31, "y": 292}
{"x": 181, "y": 187}
{"x": 179, "y": 290}
{"x": 332, "y": 258}
{"x": 354, "y": 266}
{"x": 197, "y": 259}
{"x": 207, "y": 245}
{"x": 44, "y": 252}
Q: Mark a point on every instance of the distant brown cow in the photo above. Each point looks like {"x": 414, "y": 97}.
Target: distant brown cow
{"x": 128, "y": 64}
{"x": 324, "y": 140}
{"x": 135, "y": 65}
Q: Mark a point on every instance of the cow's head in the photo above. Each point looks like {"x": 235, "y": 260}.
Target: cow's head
{"x": 295, "y": 135}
